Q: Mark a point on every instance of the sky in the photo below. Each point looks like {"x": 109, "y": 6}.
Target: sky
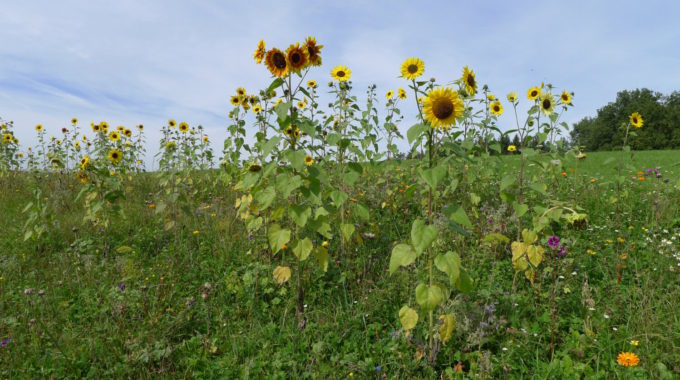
{"x": 143, "y": 62}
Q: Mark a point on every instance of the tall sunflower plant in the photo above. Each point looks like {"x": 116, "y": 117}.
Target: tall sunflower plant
{"x": 441, "y": 109}
{"x": 282, "y": 195}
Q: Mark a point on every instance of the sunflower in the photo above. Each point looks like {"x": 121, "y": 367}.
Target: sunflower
{"x": 628, "y": 359}
{"x": 84, "y": 138}
{"x": 76, "y": 144}
{"x": 313, "y": 51}
{"x": 120, "y": 128}
{"x": 469, "y": 81}
{"x": 104, "y": 126}
{"x": 253, "y": 100}
{"x": 512, "y": 97}
{"x": 39, "y": 128}
{"x": 412, "y": 68}
{"x": 402, "y": 93}
{"x": 114, "y": 136}
{"x": 235, "y": 101}
{"x": 276, "y": 63}
{"x": 257, "y": 109}
{"x": 7, "y": 138}
{"x": 533, "y": 93}
{"x": 172, "y": 123}
{"x": 183, "y": 127}
{"x": 245, "y": 103}
{"x": 565, "y": 97}
{"x": 140, "y": 127}
{"x": 259, "y": 52}
{"x": 241, "y": 92}
{"x": 442, "y": 106}
{"x": 512, "y": 148}
{"x": 82, "y": 177}
{"x": 341, "y": 73}
{"x": 491, "y": 97}
{"x": 170, "y": 145}
{"x": 389, "y": 94}
{"x": 84, "y": 161}
{"x": 309, "y": 160}
{"x": 298, "y": 57}
{"x": 205, "y": 139}
{"x": 311, "y": 83}
{"x": 58, "y": 142}
{"x": 496, "y": 108}
{"x": 127, "y": 132}
{"x": 301, "y": 104}
{"x": 74, "y": 120}
{"x": 636, "y": 120}
{"x": 547, "y": 103}
{"x": 96, "y": 127}
{"x": 115, "y": 155}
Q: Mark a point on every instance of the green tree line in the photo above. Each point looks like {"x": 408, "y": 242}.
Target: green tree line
{"x": 661, "y": 129}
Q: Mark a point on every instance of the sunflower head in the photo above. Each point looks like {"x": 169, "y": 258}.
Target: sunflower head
{"x": 84, "y": 161}
{"x": 565, "y": 97}
{"x": 512, "y": 97}
{"x": 257, "y": 109}
{"x": 74, "y": 121}
{"x": 412, "y": 68}
{"x": 469, "y": 81}
{"x": 172, "y": 123}
{"x": 442, "y": 107}
{"x": 127, "y": 132}
{"x": 547, "y": 103}
{"x": 183, "y": 127}
{"x": 534, "y": 93}
{"x": 205, "y": 139}
{"x": 389, "y": 94}
{"x": 341, "y": 73}
{"x": 259, "y": 52}
{"x": 313, "y": 51}
{"x": 140, "y": 127}
{"x": 491, "y": 97}
{"x": 234, "y": 100}
{"x": 7, "y": 138}
{"x": 301, "y": 104}
{"x": 39, "y": 128}
{"x": 96, "y": 128}
{"x": 241, "y": 92}
{"x": 119, "y": 128}
{"x": 512, "y": 148}
{"x": 115, "y": 155}
{"x": 496, "y": 108}
{"x": 114, "y": 136}
{"x": 76, "y": 144}
{"x": 170, "y": 145}
{"x": 636, "y": 120}
{"x": 309, "y": 160}
{"x": 402, "y": 93}
{"x": 311, "y": 83}
{"x": 104, "y": 126}
{"x": 276, "y": 63}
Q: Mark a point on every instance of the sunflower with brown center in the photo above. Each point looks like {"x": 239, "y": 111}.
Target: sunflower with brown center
{"x": 469, "y": 81}
{"x": 402, "y": 93}
{"x": 341, "y": 73}
{"x": 496, "y": 108}
{"x": 259, "y": 52}
{"x": 389, "y": 94}
{"x": 636, "y": 120}
{"x": 412, "y": 68}
{"x": 172, "y": 123}
{"x": 276, "y": 63}
{"x": 565, "y": 97}
{"x": 309, "y": 160}
{"x": 115, "y": 155}
{"x": 183, "y": 127}
{"x": 257, "y": 109}
{"x": 39, "y": 128}
{"x": 298, "y": 57}
{"x": 442, "y": 107}
{"x": 512, "y": 97}
{"x": 313, "y": 51}
{"x": 547, "y": 103}
{"x": 533, "y": 93}
{"x": 114, "y": 136}
{"x": 234, "y": 100}
{"x": 311, "y": 83}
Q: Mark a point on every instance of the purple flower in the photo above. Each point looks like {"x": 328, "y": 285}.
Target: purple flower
{"x": 553, "y": 242}
{"x": 378, "y": 368}
{"x": 121, "y": 287}
{"x": 250, "y": 237}
{"x": 5, "y": 342}
{"x": 563, "y": 251}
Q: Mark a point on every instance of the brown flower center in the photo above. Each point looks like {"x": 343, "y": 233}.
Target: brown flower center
{"x": 496, "y": 108}
{"x": 279, "y": 60}
{"x": 295, "y": 58}
{"x": 546, "y": 104}
{"x": 635, "y": 120}
{"x": 565, "y": 97}
{"x": 412, "y": 68}
{"x": 442, "y": 108}
{"x": 471, "y": 81}
{"x": 340, "y": 74}
{"x": 534, "y": 93}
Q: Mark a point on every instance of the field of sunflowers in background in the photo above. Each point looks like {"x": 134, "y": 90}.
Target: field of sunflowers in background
{"x": 319, "y": 249}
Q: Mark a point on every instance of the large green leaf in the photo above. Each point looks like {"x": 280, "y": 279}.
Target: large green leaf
{"x": 428, "y": 297}
{"x": 422, "y": 235}
{"x": 408, "y": 318}
{"x": 278, "y": 237}
{"x": 457, "y": 214}
{"x": 449, "y": 263}
{"x": 302, "y": 248}
{"x": 347, "y": 230}
{"x": 402, "y": 255}
{"x": 300, "y": 214}
{"x": 434, "y": 175}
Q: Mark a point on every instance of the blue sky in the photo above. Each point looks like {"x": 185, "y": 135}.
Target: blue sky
{"x": 132, "y": 62}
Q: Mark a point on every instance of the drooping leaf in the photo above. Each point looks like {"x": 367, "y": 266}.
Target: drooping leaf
{"x": 446, "y": 329}
{"x": 281, "y": 274}
{"x": 408, "y": 318}
{"x": 402, "y": 255}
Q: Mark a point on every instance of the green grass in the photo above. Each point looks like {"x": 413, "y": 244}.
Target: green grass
{"x": 205, "y": 305}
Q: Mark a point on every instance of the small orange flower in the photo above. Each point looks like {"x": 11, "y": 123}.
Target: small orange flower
{"x": 623, "y": 256}
{"x": 283, "y": 246}
{"x": 628, "y": 359}
{"x": 564, "y": 174}
{"x": 640, "y": 173}
{"x": 592, "y": 180}
{"x": 641, "y": 178}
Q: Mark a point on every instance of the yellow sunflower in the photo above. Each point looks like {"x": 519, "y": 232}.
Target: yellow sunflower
{"x": 276, "y": 63}
{"x": 183, "y": 127}
{"x": 84, "y": 161}
{"x": 512, "y": 97}
{"x": 127, "y": 132}
{"x": 491, "y": 97}
{"x": 301, "y": 104}
{"x": 104, "y": 126}
{"x": 547, "y": 103}
{"x": 170, "y": 145}
{"x": 114, "y": 136}
{"x": 298, "y": 58}
{"x": 313, "y": 51}
{"x": 96, "y": 128}
{"x": 636, "y": 120}
{"x": 74, "y": 121}
{"x": 235, "y": 101}
{"x": 39, "y": 128}
{"x": 7, "y": 138}
{"x": 402, "y": 93}
{"x": 389, "y": 94}
{"x": 311, "y": 83}
{"x": 565, "y": 97}
{"x": 115, "y": 155}
{"x": 172, "y": 123}
{"x": 341, "y": 73}
{"x": 120, "y": 128}
{"x": 442, "y": 107}
{"x": 76, "y": 144}
{"x": 241, "y": 92}
{"x": 257, "y": 109}
{"x": 496, "y": 108}
{"x": 309, "y": 160}
{"x": 412, "y": 68}
{"x": 469, "y": 81}
{"x": 141, "y": 127}
{"x": 205, "y": 139}
{"x": 259, "y": 52}
{"x": 534, "y": 93}
{"x": 512, "y": 148}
